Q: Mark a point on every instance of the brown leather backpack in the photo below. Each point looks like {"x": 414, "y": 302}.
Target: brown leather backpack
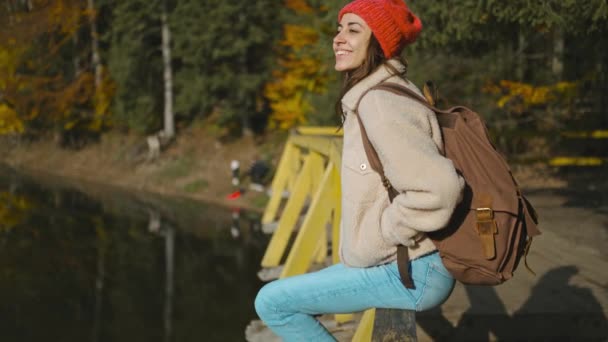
{"x": 493, "y": 226}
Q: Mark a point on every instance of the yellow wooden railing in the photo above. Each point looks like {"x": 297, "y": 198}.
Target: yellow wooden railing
{"x": 309, "y": 170}
{"x": 581, "y": 160}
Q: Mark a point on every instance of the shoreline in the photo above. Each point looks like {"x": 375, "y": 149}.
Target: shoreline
{"x": 78, "y": 183}
{"x": 195, "y": 166}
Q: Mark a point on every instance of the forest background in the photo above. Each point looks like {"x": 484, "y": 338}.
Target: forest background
{"x": 84, "y": 84}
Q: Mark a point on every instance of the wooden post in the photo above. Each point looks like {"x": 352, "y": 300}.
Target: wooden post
{"x": 392, "y": 325}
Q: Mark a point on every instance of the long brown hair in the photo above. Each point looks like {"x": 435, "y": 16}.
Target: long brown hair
{"x": 374, "y": 59}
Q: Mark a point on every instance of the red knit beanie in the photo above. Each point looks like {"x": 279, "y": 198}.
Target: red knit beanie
{"x": 391, "y": 22}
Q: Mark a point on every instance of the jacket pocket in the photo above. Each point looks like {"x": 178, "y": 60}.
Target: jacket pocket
{"x": 359, "y": 181}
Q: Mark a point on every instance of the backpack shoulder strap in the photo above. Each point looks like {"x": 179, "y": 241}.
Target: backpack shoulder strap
{"x": 402, "y": 90}
{"x": 376, "y": 165}
{"x": 370, "y": 151}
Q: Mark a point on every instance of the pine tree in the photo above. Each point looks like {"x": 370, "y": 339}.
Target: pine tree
{"x": 223, "y": 51}
{"x": 135, "y": 64}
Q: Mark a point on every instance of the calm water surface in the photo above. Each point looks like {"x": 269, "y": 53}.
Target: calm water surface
{"x": 85, "y": 263}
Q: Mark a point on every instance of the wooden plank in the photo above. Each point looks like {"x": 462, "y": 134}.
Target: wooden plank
{"x": 394, "y": 325}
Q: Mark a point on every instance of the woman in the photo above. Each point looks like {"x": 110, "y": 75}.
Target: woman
{"x": 371, "y": 34}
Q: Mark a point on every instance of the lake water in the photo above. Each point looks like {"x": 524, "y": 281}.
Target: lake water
{"x": 87, "y": 263}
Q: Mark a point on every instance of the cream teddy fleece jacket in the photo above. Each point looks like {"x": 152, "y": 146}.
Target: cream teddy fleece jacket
{"x": 408, "y": 141}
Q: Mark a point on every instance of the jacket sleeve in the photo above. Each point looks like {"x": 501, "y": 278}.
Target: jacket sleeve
{"x": 400, "y": 129}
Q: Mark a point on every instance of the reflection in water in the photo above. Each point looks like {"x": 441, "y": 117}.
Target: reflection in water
{"x": 99, "y": 282}
{"x": 98, "y": 265}
{"x": 169, "y": 245}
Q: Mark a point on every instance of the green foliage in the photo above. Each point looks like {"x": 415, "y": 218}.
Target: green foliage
{"x": 235, "y": 62}
{"x": 135, "y": 65}
{"x": 222, "y": 53}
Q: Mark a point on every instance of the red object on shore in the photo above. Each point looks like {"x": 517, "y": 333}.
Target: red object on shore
{"x": 234, "y": 195}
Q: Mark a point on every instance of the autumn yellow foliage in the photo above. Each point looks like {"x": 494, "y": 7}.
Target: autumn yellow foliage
{"x": 521, "y": 96}
{"x": 9, "y": 121}
{"x": 299, "y": 6}
{"x": 300, "y": 72}
{"x": 13, "y": 209}
{"x": 30, "y": 42}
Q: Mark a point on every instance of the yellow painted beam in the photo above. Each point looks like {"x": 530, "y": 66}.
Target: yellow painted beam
{"x": 291, "y": 213}
{"x": 303, "y": 249}
{"x": 596, "y": 134}
{"x": 327, "y": 146}
{"x": 337, "y": 217}
{"x": 365, "y": 329}
{"x": 319, "y": 130}
{"x": 335, "y": 153}
{"x": 321, "y": 250}
{"x": 342, "y": 318}
{"x": 280, "y": 181}
{"x": 294, "y": 165}
{"x": 576, "y": 161}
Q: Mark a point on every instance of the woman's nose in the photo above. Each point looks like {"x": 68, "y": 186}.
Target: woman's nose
{"x": 338, "y": 38}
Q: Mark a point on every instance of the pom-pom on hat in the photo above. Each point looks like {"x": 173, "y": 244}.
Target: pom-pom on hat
{"x": 391, "y": 22}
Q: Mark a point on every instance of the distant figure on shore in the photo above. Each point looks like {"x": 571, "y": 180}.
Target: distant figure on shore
{"x": 258, "y": 173}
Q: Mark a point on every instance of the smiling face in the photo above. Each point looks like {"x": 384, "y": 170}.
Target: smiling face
{"x": 351, "y": 42}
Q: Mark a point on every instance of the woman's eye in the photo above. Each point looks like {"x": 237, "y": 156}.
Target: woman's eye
{"x": 353, "y": 31}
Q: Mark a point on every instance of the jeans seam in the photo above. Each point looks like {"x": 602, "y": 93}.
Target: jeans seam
{"x": 350, "y": 289}
{"x": 441, "y": 272}
{"x": 426, "y": 282}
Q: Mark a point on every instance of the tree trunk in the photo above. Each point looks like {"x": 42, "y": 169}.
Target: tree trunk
{"x": 244, "y": 102}
{"x": 76, "y": 60}
{"x": 520, "y": 69}
{"x": 9, "y": 13}
{"x": 557, "y": 64}
{"x": 95, "y": 60}
{"x": 602, "y": 102}
{"x": 167, "y": 73}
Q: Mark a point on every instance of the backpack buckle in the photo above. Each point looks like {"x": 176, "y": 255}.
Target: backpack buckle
{"x": 485, "y": 221}
{"x": 485, "y": 214}
{"x": 387, "y": 184}
{"x": 486, "y": 228}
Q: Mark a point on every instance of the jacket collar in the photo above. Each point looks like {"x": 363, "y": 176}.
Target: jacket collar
{"x": 349, "y": 101}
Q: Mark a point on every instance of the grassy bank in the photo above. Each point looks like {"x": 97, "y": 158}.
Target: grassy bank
{"x": 195, "y": 165}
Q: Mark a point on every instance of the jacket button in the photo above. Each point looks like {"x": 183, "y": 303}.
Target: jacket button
{"x": 363, "y": 167}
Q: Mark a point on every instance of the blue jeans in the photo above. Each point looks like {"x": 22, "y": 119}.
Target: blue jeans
{"x": 288, "y": 305}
